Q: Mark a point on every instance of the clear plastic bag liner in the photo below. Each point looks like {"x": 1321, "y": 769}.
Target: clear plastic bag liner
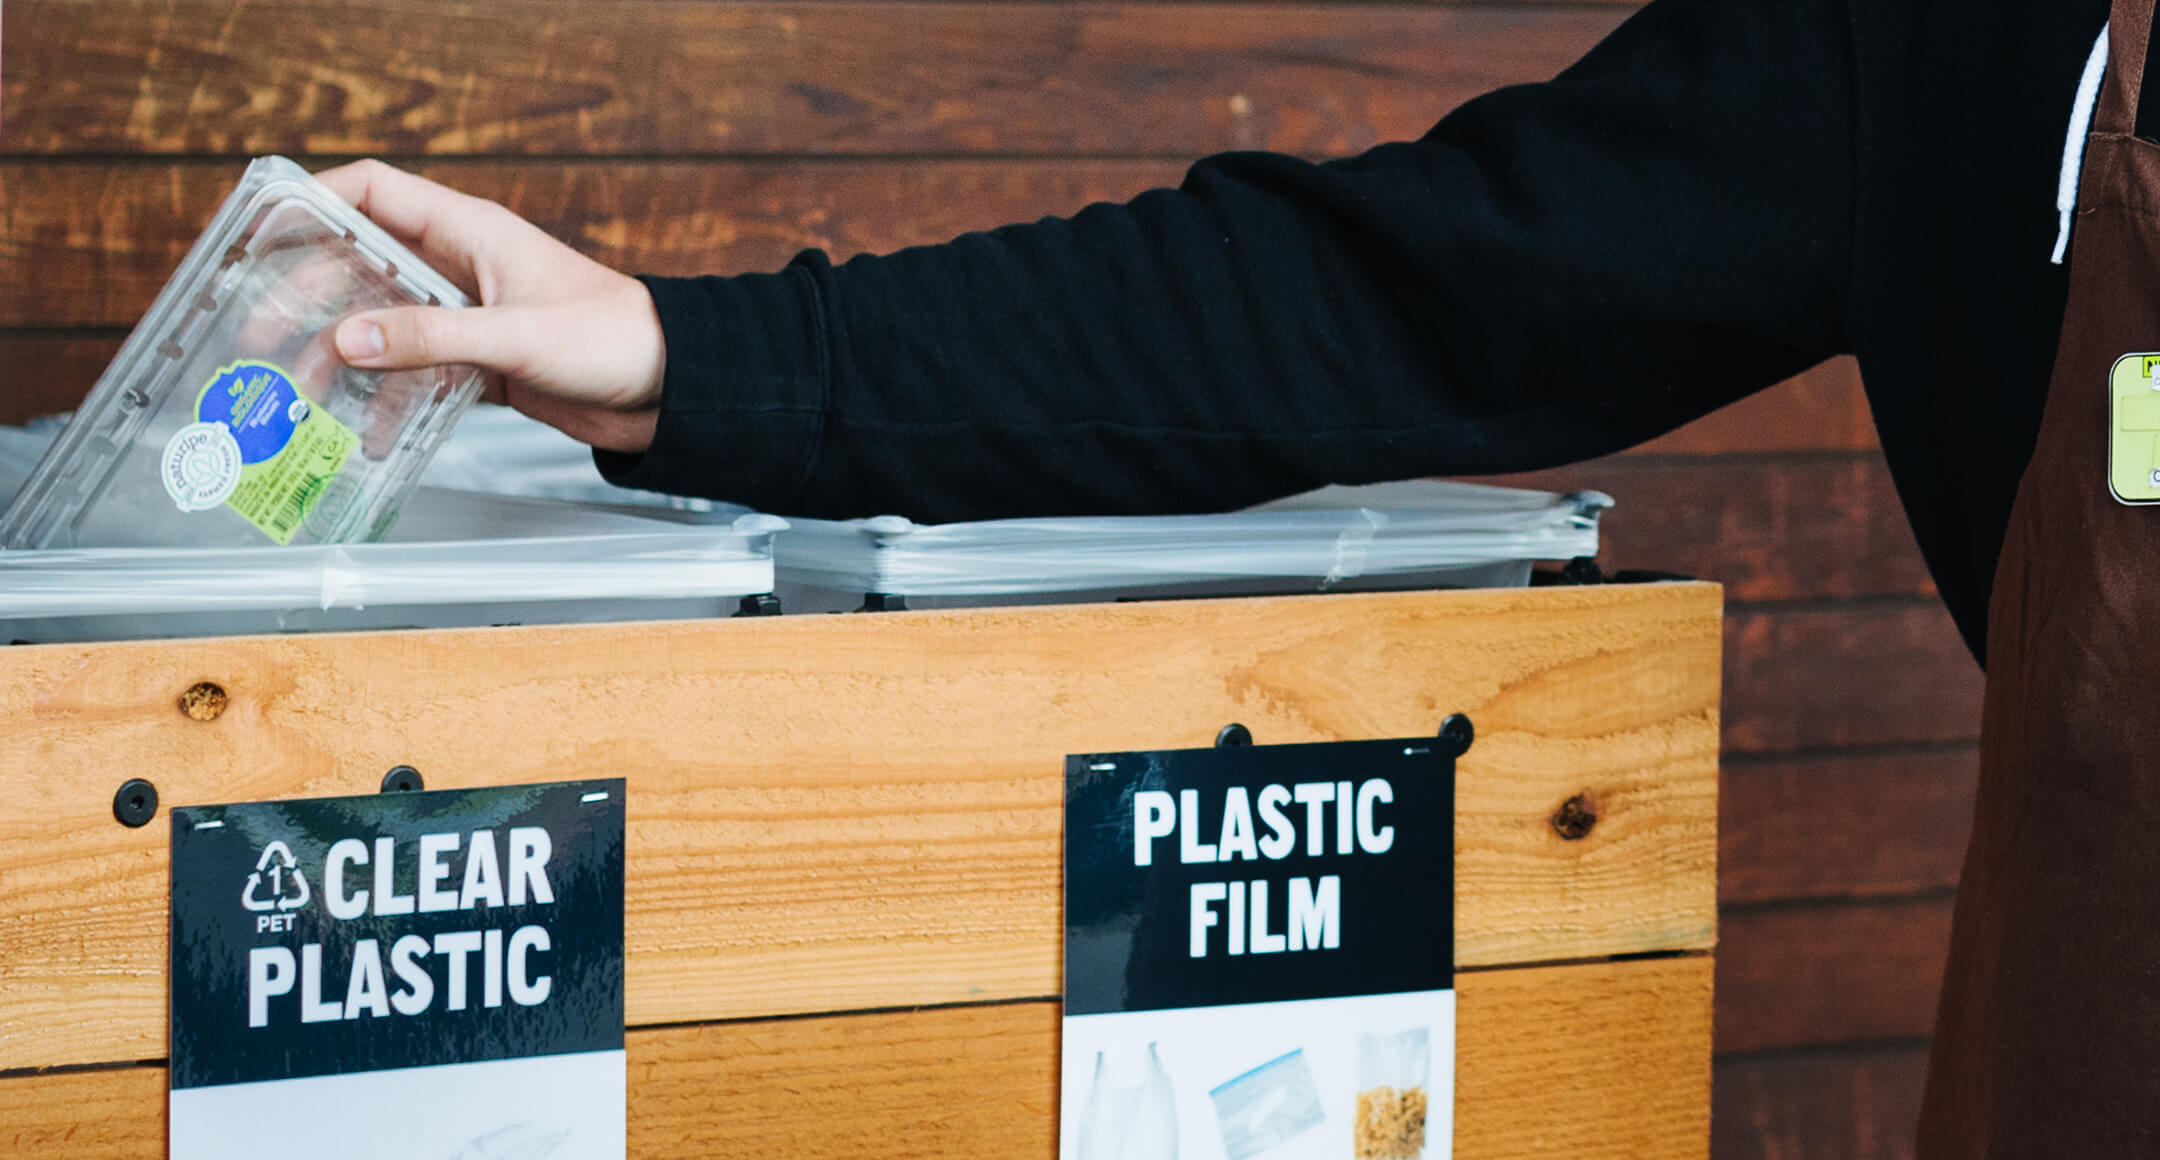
{"x": 496, "y": 449}
{"x": 1267, "y": 1106}
{"x": 20, "y": 449}
{"x": 1329, "y": 537}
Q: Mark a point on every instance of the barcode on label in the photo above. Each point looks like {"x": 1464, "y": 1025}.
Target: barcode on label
{"x": 290, "y": 512}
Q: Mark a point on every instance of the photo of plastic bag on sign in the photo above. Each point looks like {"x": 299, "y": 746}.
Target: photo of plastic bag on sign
{"x": 1267, "y": 1105}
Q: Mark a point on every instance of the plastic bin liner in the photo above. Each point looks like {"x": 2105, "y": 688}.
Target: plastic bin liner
{"x": 497, "y": 449}
{"x": 20, "y": 448}
{"x": 455, "y": 559}
{"x": 1413, "y": 534}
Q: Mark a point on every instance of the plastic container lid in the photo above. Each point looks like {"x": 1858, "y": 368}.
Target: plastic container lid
{"x": 1328, "y": 537}
{"x": 479, "y": 560}
{"x": 455, "y": 559}
{"x": 227, "y": 419}
{"x": 636, "y": 559}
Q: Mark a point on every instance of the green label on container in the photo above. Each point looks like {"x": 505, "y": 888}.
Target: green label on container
{"x": 260, "y": 448}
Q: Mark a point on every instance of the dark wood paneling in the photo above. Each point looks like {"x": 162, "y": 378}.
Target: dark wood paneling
{"x": 102, "y": 239}
{"x": 1844, "y": 826}
{"x": 1768, "y": 529}
{"x": 604, "y": 77}
{"x": 1821, "y": 410}
{"x": 1862, "y": 1104}
{"x": 1864, "y": 674}
{"x": 1793, "y": 977}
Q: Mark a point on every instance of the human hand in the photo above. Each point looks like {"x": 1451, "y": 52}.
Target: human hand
{"x": 566, "y": 340}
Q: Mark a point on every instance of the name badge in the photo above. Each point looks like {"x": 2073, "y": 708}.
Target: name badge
{"x": 2134, "y": 429}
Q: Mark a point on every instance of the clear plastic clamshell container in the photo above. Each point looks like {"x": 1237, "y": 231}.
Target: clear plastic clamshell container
{"x": 227, "y": 419}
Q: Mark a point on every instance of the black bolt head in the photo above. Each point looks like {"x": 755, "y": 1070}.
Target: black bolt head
{"x": 135, "y": 804}
{"x": 1456, "y": 734}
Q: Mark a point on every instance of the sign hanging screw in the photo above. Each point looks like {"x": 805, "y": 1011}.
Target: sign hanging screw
{"x": 1457, "y": 734}
{"x": 1233, "y": 736}
{"x": 402, "y": 779}
{"x": 135, "y": 804}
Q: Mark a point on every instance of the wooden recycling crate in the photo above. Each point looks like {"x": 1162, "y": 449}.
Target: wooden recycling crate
{"x": 843, "y": 929}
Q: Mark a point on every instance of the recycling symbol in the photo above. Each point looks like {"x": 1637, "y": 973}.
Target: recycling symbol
{"x": 284, "y": 875}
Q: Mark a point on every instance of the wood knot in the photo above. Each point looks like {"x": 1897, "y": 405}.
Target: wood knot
{"x": 1575, "y": 817}
{"x": 204, "y": 700}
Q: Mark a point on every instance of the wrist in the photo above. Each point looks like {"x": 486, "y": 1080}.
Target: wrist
{"x": 742, "y": 399}
{"x": 647, "y": 348}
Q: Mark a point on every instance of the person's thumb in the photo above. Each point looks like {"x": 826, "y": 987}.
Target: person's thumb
{"x": 494, "y": 338}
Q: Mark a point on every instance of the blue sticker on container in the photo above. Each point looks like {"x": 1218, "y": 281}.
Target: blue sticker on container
{"x": 258, "y": 403}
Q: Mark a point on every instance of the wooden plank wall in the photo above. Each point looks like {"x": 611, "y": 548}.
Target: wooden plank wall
{"x": 690, "y": 135}
{"x": 1851, "y": 709}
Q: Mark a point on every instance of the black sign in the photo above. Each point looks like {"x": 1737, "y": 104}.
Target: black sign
{"x": 355, "y": 934}
{"x": 1258, "y": 874}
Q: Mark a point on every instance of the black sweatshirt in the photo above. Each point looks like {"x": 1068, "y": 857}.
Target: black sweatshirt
{"x": 1722, "y": 194}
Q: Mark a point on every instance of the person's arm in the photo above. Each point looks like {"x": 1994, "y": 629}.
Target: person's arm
{"x": 1556, "y": 271}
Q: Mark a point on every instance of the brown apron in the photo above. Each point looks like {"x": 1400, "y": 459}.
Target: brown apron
{"x": 2048, "y": 1040}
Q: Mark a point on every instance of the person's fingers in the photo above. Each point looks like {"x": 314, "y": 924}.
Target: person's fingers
{"x": 406, "y": 204}
{"x": 350, "y": 180}
{"x": 446, "y": 227}
{"x": 503, "y": 339}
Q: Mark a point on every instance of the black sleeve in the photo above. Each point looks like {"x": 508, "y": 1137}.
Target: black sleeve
{"x": 1554, "y": 272}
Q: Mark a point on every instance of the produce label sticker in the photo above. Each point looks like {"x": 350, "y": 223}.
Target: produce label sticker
{"x": 259, "y": 447}
{"x": 1259, "y": 950}
{"x": 426, "y": 976}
